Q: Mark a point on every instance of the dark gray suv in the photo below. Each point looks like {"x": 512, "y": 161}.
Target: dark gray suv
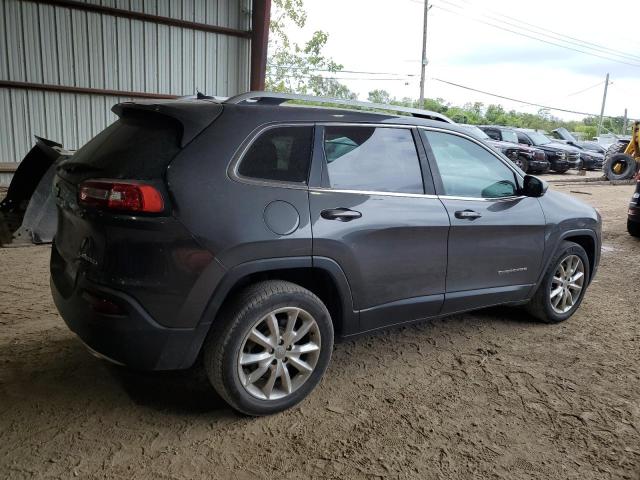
{"x": 249, "y": 234}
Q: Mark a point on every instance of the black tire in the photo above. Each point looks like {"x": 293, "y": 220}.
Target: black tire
{"x": 626, "y": 163}
{"x": 224, "y": 343}
{"x": 540, "y": 305}
{"x": 562, "y": 171}
{"x": 633, "y": 228}
{"x": 522, "y": 163}
{"x": 613, "y": 149}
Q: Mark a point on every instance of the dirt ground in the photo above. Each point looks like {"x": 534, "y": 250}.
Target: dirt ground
{"x": 483, "y": 395}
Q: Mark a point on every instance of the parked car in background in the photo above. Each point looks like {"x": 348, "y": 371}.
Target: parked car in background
{"x": 592, "y": 154}
{"x": 608, "y": 139}
{"x": 534, "y": 158}
{"x": 567, "y": 137}
{"x": 633, "y": 214}
{"x": 561, "y": 156}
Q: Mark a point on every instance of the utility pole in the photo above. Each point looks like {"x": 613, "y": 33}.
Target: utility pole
{"x": 423, "y": 62}
{"x": 604, "y": 100}
{"x": 624, "y": 123}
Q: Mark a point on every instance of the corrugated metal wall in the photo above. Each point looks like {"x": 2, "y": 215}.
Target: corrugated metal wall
{"x": 48, "y": 44}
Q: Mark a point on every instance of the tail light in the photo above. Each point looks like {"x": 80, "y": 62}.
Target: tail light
{"x": 122, "y": 195}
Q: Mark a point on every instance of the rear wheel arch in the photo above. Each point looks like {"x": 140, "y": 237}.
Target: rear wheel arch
{"x": 321, "y": 276}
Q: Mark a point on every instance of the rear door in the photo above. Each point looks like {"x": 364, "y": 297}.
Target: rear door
{"x": 496, "y": 241}
{"x": 373, "y": 216}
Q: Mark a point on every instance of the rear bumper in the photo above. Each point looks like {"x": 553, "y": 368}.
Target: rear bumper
{"x": 133, "y": 339}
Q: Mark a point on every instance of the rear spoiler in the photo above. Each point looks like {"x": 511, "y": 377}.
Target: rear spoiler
{"x": 194, "y": 115}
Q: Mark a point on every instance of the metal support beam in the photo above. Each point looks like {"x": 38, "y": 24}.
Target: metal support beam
{"x": 68, "y": 89}
{"x": 260, "y": 19}
{"x": 118, "y": 12}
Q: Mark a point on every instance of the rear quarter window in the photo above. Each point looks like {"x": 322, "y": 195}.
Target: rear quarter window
{"x": 138, "y": 145}
{"x": 282, "y": 154}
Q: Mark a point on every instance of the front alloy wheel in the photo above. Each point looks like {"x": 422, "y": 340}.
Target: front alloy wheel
{"x": 563, "y": 285}
{"x": 279, "y": 353}
{"x": 566, "y": 284}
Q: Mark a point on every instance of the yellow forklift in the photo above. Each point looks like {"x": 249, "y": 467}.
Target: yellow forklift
{"x": 622, "y": 159}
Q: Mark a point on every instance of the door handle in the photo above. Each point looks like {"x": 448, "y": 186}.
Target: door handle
{"x": 467, "y": 214}
{"x": 340, "y": 214}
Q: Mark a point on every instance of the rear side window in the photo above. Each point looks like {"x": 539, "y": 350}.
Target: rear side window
{"x": 380, "y": 159}
{"x": 281, "y": 153}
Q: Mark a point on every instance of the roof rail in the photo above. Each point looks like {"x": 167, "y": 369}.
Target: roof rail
{"x": 272, "y": 98}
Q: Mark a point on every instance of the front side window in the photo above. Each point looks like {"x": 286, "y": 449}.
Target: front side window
{"x": 378, "y": 159}
{"x": 281, "y": 153}
{"x": 469, "y": 170}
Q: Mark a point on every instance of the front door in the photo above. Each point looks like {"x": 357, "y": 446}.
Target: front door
{"x": 373, "y": 218}
{"x": 496, "y": 241}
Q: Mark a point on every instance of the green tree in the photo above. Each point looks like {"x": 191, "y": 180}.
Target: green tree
{"x": 379, "y": 96}
{"x": 302, "y": 69}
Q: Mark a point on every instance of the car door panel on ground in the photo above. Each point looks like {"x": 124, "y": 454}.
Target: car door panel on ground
{"x": 496, "y": 240}
{"x": 395, "y": 251}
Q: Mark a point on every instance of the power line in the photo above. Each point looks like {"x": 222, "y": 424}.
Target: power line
{"x": 535, "y": 38}
{"x": 559, "y": 36}
{"x": 524, "y": 102}
{"x": 497, "y": 16}
{"x": 586, "y": 89}
{"x": 291, "y": 67}
{"x": 341, "y": 78}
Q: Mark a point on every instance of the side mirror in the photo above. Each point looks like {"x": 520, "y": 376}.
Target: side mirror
{"x": 534, "y": 187}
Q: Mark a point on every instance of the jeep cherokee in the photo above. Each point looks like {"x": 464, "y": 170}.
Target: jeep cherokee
{"x": 247, "y": 234}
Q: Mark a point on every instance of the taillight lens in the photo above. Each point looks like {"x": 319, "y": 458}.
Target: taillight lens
{"x": 123, "y": 195}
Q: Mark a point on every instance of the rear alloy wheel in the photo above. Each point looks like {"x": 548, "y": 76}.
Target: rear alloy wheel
{"x": 269, "y": 347}
{"x": 279, "y": 353}
{"x": 563, "y": 286}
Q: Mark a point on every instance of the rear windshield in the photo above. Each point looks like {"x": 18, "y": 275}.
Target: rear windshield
{"x": 138, "y": 145}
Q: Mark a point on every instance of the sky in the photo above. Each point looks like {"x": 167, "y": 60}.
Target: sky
{"x": 386, "y": 36}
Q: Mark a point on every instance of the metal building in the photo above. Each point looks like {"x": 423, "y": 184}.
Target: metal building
{"x": 64, "y": 63}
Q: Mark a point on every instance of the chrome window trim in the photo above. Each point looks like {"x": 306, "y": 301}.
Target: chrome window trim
{"x": 325, "y": 123}
{"x": 232, "y": 170}
{"x": 413, "y": 195}
{"x": 482, "y": 199}
{"x": 372, "y": 192}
